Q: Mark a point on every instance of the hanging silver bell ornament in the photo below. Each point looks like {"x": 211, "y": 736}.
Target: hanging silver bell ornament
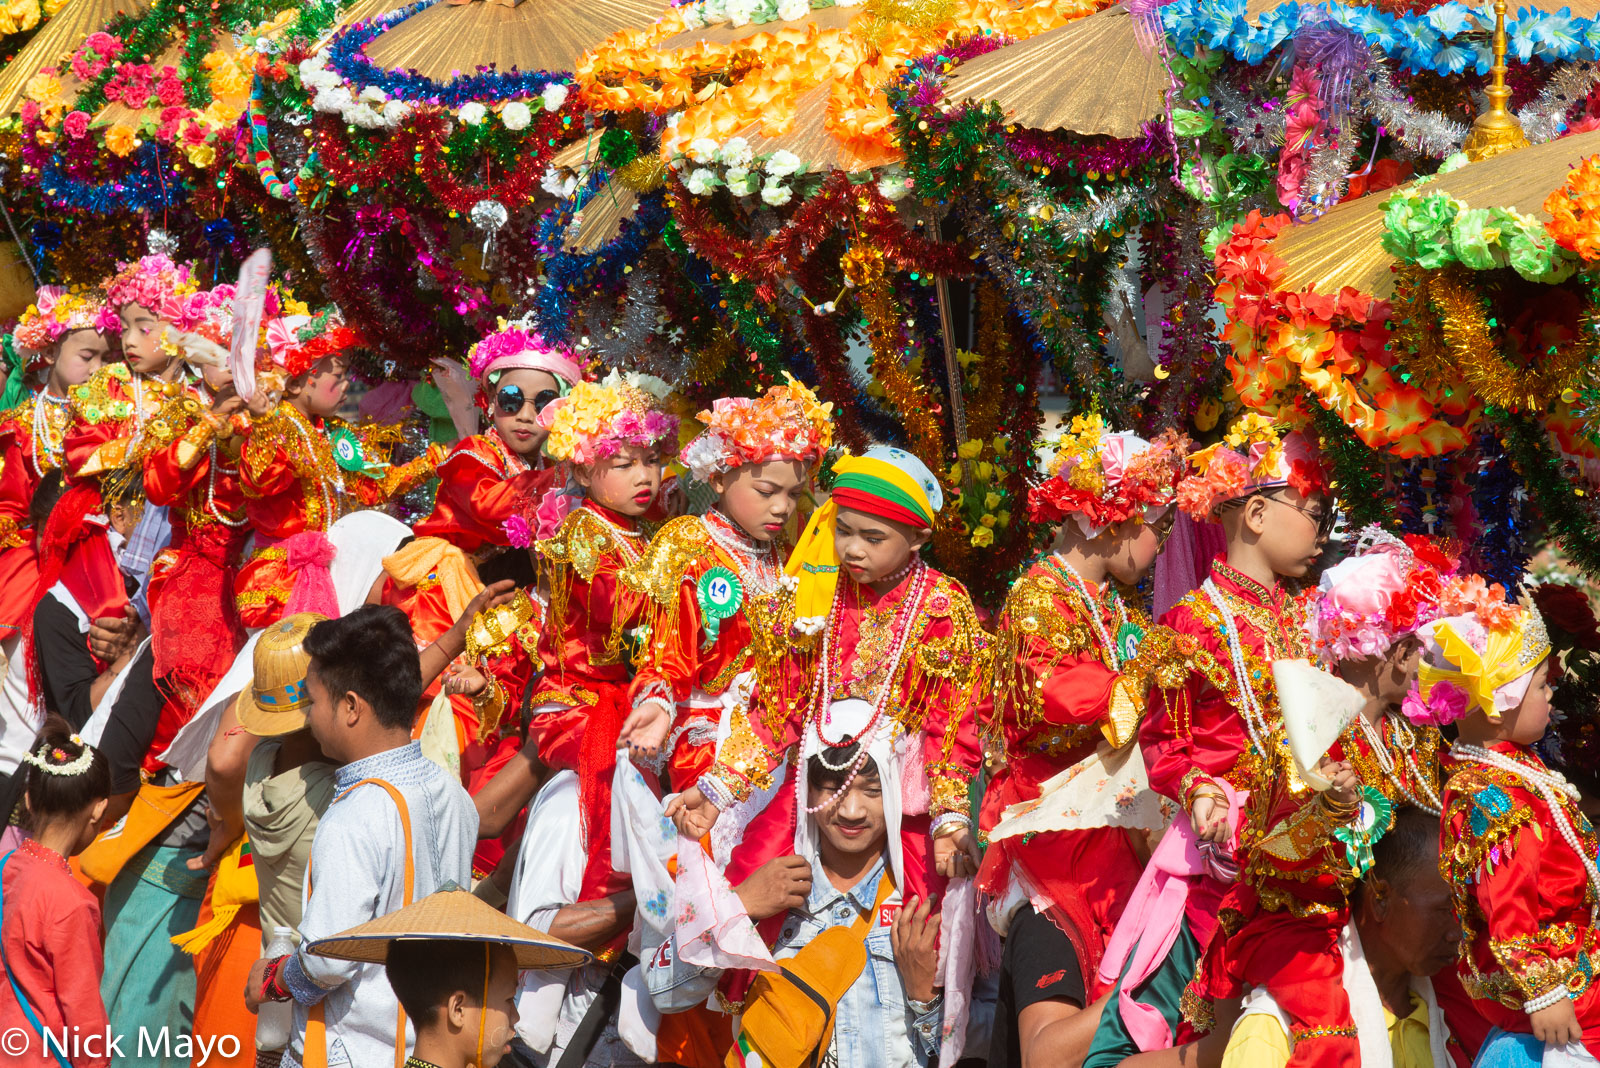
{"x": 162, "y": 243}
{"x": 489, "y": 216}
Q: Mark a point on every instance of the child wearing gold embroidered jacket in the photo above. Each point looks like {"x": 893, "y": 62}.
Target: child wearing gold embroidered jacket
{"x": 1516, "y": 850}
{"x": 1071, "y": 665}
{"x": 706, "y": 578}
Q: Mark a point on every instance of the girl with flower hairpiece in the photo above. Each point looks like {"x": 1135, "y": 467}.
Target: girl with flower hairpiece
{"x": 613, "y": 436}
{"x": 1212, "y": 732}
{"x": 302, "y": 468}
{"x": 476, "y": 518}
{"x": 709, "y": 579}
{"x": 49, "y": 921}
{"x": 1072, "y": 659}
{"x": 1515, "y": 847}
{"x": 64, "y": 334}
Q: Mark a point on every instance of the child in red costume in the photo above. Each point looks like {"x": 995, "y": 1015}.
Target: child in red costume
{"x": 706, "y": 577}
{"x": 890, "y": 652}
{"x": 1206, "y": 739}
{"x": 302, "y": 468}
{"x": 1517, "y": 851}
{"x": 1071, "y": 664}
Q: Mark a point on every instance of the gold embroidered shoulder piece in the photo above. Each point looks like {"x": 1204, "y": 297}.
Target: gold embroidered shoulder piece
{"x": 104, "y": 397}
{"x": 174, "y": 419}
{"x": 1490, "y": 820}
{"x": 581, "y": 542}
{"x": 660, "y": 571}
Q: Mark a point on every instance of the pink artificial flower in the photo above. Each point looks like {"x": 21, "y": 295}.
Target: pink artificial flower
{"x": 103, "y": 43}
{"x": 76, "y": 124}
{"x": 193, "y": 133}
{"x": 169, "y": 91}
{"x": 1445, "y": 704}
{"x": 518, "y": 533}
{"x": 30, "y": 112}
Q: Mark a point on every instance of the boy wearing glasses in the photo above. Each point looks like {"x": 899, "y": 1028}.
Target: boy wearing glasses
{"x": 1071, "y": 669}
{"x": 1212, "y": 737}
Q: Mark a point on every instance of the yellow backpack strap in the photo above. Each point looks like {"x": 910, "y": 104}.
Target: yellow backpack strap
{"x": 314, "y": 1052}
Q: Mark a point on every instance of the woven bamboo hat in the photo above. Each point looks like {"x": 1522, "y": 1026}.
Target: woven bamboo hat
{"x": 453, "y": 915}
{"x": 274, "y": 702}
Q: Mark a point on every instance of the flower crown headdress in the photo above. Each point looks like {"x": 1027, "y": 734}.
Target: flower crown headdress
{"x": 516, "y": 345}
{"x": 596, "y": 419}
{"x": 294, "y": 343}
{"x": 1256, "y": 454}
{"x": 1480, "y": 654}
{"x": 1382, "y": 592}
{"x": 154, "y": 283}
{"x": 1101, "y": 477}
{"x": 787, "y": 422}
{"x": 42, "y": 757}
{"x": 57, "y": 312}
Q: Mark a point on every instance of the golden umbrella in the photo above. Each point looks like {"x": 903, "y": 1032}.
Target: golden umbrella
{"x": 448, "y": 39}
{"x": 58, "y": 39}
{"x": 1089, "y": 77}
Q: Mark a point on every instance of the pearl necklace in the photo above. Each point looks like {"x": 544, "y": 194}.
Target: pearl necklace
{"x": 211, "y": 492}
{"x": 1547, "y": 783}
{"x": 756, "y": 562}
{"x": 54, "y": 447}
{"x": 629, "y": 551}
{"x": 1255, "y": 719}
{"x": 1429, "y": 802}
{"x": 1106, "y": 641}
{"x": 906, "y": 613}
{"x": 302, "y": 425}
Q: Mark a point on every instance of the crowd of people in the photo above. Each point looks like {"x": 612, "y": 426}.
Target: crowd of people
{"x": 634, "y": 753}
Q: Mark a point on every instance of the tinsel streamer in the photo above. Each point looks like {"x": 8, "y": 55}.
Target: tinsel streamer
{"x": 1328, "y": 172}
{"x": 1501, "y": 548}
{"x": 1358, "y": 479}
{"x": 149, "y": 183}
{"x": 1101, "y": 155}
{"x": 1250, "y": 124}
{"x": 569, "y": 276}
{"x": 917, "y": 408}
{"x": 1426, "y": 133}
{"x": 1557, "y": 489}
{"x": 1187, "y": 352}
{"x": 1545, "y": 118}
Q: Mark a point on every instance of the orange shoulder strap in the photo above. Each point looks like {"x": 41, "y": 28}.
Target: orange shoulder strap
{"x": 314, "y": 1052}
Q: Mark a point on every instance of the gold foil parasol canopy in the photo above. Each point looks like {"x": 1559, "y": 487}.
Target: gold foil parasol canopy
{"x": 57, "y": 40}
{"x": 1344, "y": 247}
{"x": 1087, "y": 77}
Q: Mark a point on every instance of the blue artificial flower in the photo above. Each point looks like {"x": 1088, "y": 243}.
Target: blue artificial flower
{"x": 1377, "y": 28}
{"x": 1449, "y": 59}
{"x": 1485, "y": 57}
{"x": 1557, "y": 35}
{"x": 1449, "y": 19}
{"x": 1519, "y": 40}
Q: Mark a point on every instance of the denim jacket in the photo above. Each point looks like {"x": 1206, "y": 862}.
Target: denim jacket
{"x": 874, "y": 1022}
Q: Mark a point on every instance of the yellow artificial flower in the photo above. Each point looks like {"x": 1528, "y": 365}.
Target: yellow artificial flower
{"x": 985, "y": 470}
{"x": 1002, "y": 446}
{"x": 970, "y": 449}
{"x": 991, "y": 502}
{"x": 120, "y": 139}
{"x": 19, "y": 15}
{"x": 1206, "y": 414}
{"x": 202, "y": 156}
{"x": 988, "y": 520}
{"x": 1005, "y": 519}
{"x": 983, "y": 537}
{"x": 43, "y": 88}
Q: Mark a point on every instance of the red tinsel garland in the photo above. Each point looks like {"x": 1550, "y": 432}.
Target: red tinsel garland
{"x": 419, "y": 147}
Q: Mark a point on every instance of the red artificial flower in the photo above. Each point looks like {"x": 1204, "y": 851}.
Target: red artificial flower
{"x": 1568, "y": 609}
{"x": 170, "y": 91}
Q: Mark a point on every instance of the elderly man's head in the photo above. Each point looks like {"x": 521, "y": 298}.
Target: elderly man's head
{"x": 1402, "y": 909}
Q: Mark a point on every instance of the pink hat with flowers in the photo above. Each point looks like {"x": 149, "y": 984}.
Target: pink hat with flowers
{"x": 153, "y": 282}
{"x": 517, "y": 346}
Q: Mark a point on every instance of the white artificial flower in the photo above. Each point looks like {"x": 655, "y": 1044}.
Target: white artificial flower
{"x": 364, "y": 116}
{"x": 673, "y": 120}
{"x": 782, "y": 163}
{"x": 789, "y": 10}
{"x": 372, "y": 94}
{"x": 713, "y": 11}
{"x": 776, "y": 193}
{"x": 741, "y": 183}
{"x": 395, "y": 112}
{"x": 701, "y": 181}
{"x": 741, "y": 12}
{"x": 558, "y": 185}
{"x": 472, "y": 113}
{"x": 516, "y": 115}
{"x": 703, "y": 150}
{"x": 735, "y": 152}
{"x": 337, "y": 99}
{"x": 892, "y": 184}
{"x": 554, "y": 95}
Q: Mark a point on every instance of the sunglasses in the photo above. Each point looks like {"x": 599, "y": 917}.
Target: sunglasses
{"x": 510, "y": 400}
{"x": 1325, "y": 519}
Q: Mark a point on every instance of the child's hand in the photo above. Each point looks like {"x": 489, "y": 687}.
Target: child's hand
{"x": 645, "y": 730}
{"x": 956, "y": 855}
{"x": 1556, "y": 1025}
{"x": 464, "y": 680}
{"x": 1209, "y": 818}
{"x": 693, "y": 813}
{"x": 1346, "y": 788}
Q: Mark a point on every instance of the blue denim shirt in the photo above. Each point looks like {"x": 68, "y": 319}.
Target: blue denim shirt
{"x": 874, "y": 1023}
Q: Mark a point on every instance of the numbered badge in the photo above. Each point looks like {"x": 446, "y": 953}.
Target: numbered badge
{"x": 720, "y": 594}
{"x": 347, "y": 450}
{"x": 1128, "y": 639}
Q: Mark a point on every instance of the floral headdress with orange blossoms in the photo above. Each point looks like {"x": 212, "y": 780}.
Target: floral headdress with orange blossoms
{"x": 154, "y": 283}
{"x": 787, "y": 423}
{"x": 57, "y": 312}
{"x": 206, "y": 323}
{"x": 1101, "y": 478}
{"x": 596, "y": 419}
{"x": 1479, "y": 655}
{"x": 1384, "y": 591}
{"x": 294, "y": 343}
{"x": 1256, "y": 454}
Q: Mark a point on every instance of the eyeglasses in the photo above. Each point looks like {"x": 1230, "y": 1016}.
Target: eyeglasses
{"x": 510, "y": 400}
{"x": 1324, "y": 519}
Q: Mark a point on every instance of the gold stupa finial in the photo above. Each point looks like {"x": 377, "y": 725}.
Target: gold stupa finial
{"x": 1496, "y": 131}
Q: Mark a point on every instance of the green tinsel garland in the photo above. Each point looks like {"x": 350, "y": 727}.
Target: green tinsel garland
{"x": 1357, "y": 475}
{"x": 1569, "y": 513}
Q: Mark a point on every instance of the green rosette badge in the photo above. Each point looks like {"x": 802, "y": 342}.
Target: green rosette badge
{"x": 1127, "y": 641}
{"x": 1370, "y": 823}
{"x": 720, "y": 594}
{"x": 347, "y": 451}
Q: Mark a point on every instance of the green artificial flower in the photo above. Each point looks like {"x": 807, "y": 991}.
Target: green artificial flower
{"x": 1186, "y": 123}
{"x": 1476, "y": 237}
{"x": 1374, "y": 815}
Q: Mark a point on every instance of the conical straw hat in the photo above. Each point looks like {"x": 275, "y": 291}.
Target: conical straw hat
{"x": 456, "y": 915}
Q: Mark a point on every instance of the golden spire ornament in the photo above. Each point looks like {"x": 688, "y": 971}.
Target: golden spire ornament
{"x": 1496, "y": 131}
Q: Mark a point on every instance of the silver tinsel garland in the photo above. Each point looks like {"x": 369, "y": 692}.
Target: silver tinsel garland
{"x": 1545, "y": 118}
{"x": 1427, "y": 133}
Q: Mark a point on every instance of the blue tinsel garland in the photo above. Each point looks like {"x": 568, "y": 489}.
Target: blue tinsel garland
{"x": 142, "y": 189}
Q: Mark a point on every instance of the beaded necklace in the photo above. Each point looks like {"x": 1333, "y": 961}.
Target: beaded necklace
{"x": 1547, "y": 783}
{"x": 628, "y": 549}
{"x": 1429, "y": 802}
{"x": 1080, "y": 585}
{"x": 756, "y": 562}
{"x": 330, "y": 487}
{"x": 54, "y": 441}
{"x": 1255, "y": 718}
{"x": 905, "y": 616}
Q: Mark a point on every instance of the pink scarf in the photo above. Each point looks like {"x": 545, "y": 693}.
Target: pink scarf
{"x": 309, "y": 555}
